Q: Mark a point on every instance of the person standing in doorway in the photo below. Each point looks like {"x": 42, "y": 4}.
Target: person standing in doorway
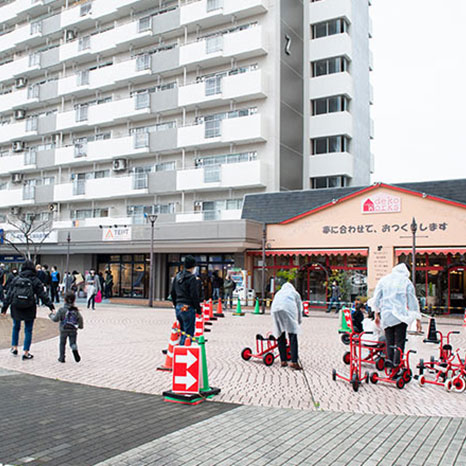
{"x": 229, "y": 286}
{"x": 395, "y": 306}
{"x": 21, "y": 299}
{"x": 108, "y": 284}
{"x": 55, "y": 284}
{"x": 286, "y": 317}
{"x": 185, "y": 295}
{"x": 217, "y": 286}
{"x": 92, "y": 287}
{"x": 334, "y": 297}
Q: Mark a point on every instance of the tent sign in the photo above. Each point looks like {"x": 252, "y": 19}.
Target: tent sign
{"x": 116, "y": 234}
{"x": 186, "y": 369}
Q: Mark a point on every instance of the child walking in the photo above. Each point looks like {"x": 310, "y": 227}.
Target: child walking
{"x": 70, "y": 320}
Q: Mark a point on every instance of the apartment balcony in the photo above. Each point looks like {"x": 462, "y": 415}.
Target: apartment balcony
{"x": 219, "y": 49}
{"x": 14, "y": 197}
{"x": 330, "y": 124}
{"x": 27, "y": 161}
{"x": 20, "y": 9}
{"x": 240, "y": 87}
{"x": 28, "y": 129}
{"x": 91, "y": 222}
{"x": 208, "y": 13}
{"x": 208, "y": 215}
{"x": 97, "y": 151}
{"x": 334, "y": 164}
{"x": 26, "y": 66}
{"x": 330, "y": 9}
{"x": 234, "y": 175}
{"x": 331, "y": 46}
{"x": 162, "y": 182}
{"x": 44, "y": 194}
{"x": 236, "y": 130}
{"x": 11, "y": 164}
{"x": 331, "y": 84}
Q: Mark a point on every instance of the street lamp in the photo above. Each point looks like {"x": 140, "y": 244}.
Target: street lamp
{"x": 264, "y": 239}
{"x": 67, "y": 268}
{"x": 151, "y": 218}
{"x": 413, "y": 268}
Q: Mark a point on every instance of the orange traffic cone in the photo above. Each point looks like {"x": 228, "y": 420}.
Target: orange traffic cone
{"x": 187, "y": 342}
{"x": 219, "y": 312}
{"x": 174, "y": 340}
{"x": 211, "y": 310}
{"x": 464, "y": 320}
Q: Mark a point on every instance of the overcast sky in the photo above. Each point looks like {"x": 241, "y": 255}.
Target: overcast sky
{"x": 419, "y": 82}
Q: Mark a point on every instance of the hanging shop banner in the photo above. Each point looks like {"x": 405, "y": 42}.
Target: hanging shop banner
{"x": 37, "y": 237}
{"x": 116, "y": 234}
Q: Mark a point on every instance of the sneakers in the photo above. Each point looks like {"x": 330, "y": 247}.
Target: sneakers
{"x": 27, "y": 356}
{"x": 14, "y": 352}
{"x": 76, "y": 355}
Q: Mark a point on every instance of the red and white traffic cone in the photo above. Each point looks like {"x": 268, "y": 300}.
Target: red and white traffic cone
{"x": 211, "y": 310}
{"x": 199, "y": 327}
{"x": 174, "y": 340}
{"x": 464, "y": 320}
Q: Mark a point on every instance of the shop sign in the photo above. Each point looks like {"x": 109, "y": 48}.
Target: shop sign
{"x": 384, "y": 228}
{"x": 116, "y": 234}
{"x": 37, "y": 237}
{"x": 381, "y": 204}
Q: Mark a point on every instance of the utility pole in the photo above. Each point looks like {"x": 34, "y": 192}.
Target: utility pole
{"x": 264, "y": 240}
{"x": 413, "y": 267}
{"x": 67, "y": 268}
{"x": 152, "y": 218}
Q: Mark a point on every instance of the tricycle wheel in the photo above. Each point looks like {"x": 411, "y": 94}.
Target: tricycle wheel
{"x": 422, "y": 380}
{"x": 345, "y": 338}
{"x": 421, "y": 366}
{"x": 380, "y": 364}
{"x": 355, "y": 382}
{"x": 400, "y": 383}
{"x": 367, "y": 377}
{"x": 459, "y": 384}
{"x": 374, "y": 377}
{"x": 448, "y": 385}
{"x": 246, "y": 354}
{"x": 347, "y": 357}
{"x": 407, "y": 375}
{"x": 268, "y": 359}
{"x": 334, "y": 374}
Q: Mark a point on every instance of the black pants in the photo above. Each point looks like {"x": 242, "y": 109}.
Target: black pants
{"x": 64, "y": 335}
{"x": 396, "y": 337}
{"x": 293, "y": 346}
{"x": 54, "y": 294}
{"x": 91, "y": 300}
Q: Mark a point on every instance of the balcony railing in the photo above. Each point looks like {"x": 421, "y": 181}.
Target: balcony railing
{"x": 30, "y": 157}
{"x": 79, "y": 187}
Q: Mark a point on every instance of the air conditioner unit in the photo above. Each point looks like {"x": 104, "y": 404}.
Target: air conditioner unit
{"x": 15, "y": 210}
{"x": 20, "y": 82}
{"x": 20, "y": 114}
{"x": 70, "y": 35}
{"x": 53, "y": 207}
{"x": 18, "y": 146}
{"x": 197, "y": 204}
{"x": 16, "y": 178}
{"x": 198, "y": 162}
{"x": 119, "y": 165}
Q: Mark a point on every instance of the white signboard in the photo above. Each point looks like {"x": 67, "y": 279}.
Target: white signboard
{"x": 37, "y": 237}
{"x": 116, "y": 234}
{"x": 381, "y": 203}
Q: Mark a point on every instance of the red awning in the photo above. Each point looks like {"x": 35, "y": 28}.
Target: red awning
{"x": 310, "y": 252}
{"x": 440, "y": 250}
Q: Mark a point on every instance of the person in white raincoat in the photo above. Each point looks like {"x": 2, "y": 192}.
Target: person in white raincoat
{"x": 395, "y": 307}
{"x": 286, "y": 316}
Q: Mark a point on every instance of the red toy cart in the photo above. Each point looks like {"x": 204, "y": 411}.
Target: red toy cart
{"x": 445, "y": 353}
{"x": 399, "y": 375}
{"x": 266, "y": 349}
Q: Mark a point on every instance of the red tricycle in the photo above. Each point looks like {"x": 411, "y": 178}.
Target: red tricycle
{"x": 266, "y": 349}
{"x": 399, "y": 375}
{"x": 445, "y": 353}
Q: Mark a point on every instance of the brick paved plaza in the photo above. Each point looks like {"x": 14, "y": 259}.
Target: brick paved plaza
{"x": 121, "y": 347}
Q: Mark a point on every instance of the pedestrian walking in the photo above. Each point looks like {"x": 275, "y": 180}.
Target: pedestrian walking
{"x": 10, "y": 277}
{"x": 108, "y": 284}
{"x": 286, "y": 317}
{"x": 335, "y": 297}
{"x": 217, "y": 286}
{"x": 92, "y": 288}
{"x": 70, "y": 320}
{"x": 395, "y": 306}
{"x": 21, "y": 299}
{"x": 185, "y": 294}
{"x": 55, "y": 284}
{"x": 2, "y": 282}
{"x": 229, "y": 285}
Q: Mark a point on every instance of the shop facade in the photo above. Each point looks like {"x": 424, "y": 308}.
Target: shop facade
{"x": 362, "y": 233}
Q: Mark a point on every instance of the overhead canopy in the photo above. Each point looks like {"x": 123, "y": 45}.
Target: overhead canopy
{"x": 310, "y": 252}
{"x": 446, "y": 250}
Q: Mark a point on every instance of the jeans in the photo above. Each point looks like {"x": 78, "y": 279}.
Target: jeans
{"x": 54, "y": 292}
{"x": 293, "y": 347}
{"x": 28, "y": 324}
{"x": 216, "y": 294}
{"x": 187, "y": 320}
{"x": 64, "y": 335}
{"x": 396, "y": 337}
{"x": 228, "y": 296}
{"x": 333, "y": 301}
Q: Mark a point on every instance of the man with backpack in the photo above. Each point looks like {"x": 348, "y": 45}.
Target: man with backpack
{"x": 21, "y": 299}
{"x": 70, "y": 321}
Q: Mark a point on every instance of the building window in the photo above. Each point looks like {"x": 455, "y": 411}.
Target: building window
{"x": 213, "y": 127}
{"x": 212, "y": 173}
{"x": 225, "y": 158}
{"x": 339, "y": 103}
{"x": 142, "y": 100}
{"x": 101, "y": 174}
{"x": 329, "y": 66}
{"x": 143, "y": 62}
{"x": 165, "y": 166}
{"x": 329, "y": 145}
{"x": 36, "y": 27}
{"x": 164, "y": 208}
{"x": 81, "y": 112}
{"x": 84, "y": 43}
{"x": 85, "y": 9}
{"x": 34, "y": 59}
{"x": 33, "y": 91}
{"x": 31, "y": 123}
{"x": 329, "y": 28}
{"x": 82, "y": 78}
{"x": 140, "y": 178}
{"x": 141, "y": 140}
{"x": 214, "y": 44}
{"x": 80, "y": 147}
{"x": 213, "y": 85}
{"x": 329, "y": 182}
{"x": 30, "y": 157}
{"x": 214, "y": 5}
{"x": 144, "y": 24}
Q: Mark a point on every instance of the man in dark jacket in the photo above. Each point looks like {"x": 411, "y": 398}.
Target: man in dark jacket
{"x": 185, "y": 294}
{"x": 21, "y": 299}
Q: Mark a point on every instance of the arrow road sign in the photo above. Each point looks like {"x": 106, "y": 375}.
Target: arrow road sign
{"x": 188, "y": 381}
{"x": 189, "y": 359}
{"x": 186, "y": 369}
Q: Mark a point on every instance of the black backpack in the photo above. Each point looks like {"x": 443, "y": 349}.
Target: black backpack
{"x": 23, "y": 294}
{"x": 71, "y": 321}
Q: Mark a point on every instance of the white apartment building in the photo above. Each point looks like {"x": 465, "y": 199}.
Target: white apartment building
{"x": 114, "y": 110}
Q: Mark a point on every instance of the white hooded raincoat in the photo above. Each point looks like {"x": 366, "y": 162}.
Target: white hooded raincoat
{"x": 286, "y": 310}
